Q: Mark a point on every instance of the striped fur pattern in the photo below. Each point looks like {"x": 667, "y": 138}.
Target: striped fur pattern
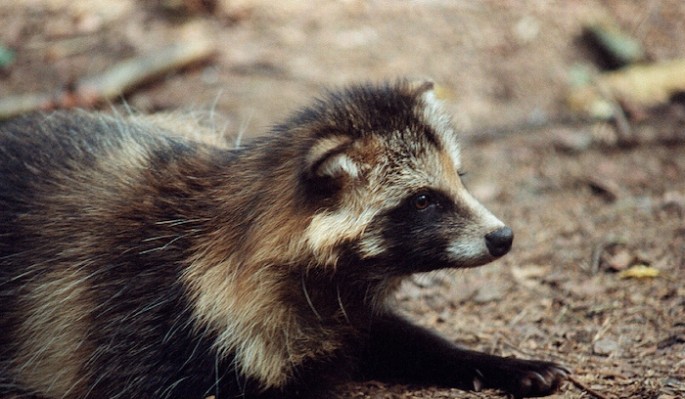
{"x": 136, "y": 262}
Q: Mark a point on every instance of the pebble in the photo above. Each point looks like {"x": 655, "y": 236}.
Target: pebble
{"x": 572, "y": 142}
{"x": 488, "y": 293}
{"x": 605, "y": 347}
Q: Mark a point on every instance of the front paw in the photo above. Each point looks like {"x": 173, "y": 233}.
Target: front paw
{"x": 522, "y": 378}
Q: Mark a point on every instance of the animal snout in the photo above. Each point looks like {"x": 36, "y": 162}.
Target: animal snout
{"x": 499, "y": 241}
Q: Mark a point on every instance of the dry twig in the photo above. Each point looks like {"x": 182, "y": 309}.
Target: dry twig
{"x": 586, "y": 388}
{"x": 118, "y": 80}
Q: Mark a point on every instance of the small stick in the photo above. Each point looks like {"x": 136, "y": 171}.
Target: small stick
{"x": 596, "y": 257}
{"x": 128, "y": 74}
{"x": 119, "y": 79}
{"x": 620, "y": 119}
{"x": 22, "y": 103}
{"x": 586, "y": 388}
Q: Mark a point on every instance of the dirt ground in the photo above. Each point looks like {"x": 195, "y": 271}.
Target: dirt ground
{"x": 583, "y": 207}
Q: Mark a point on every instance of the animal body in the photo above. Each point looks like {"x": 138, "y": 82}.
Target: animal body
{"x": 135, "y": 263}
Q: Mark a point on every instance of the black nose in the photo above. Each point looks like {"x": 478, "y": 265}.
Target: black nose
{"x": 499, "y": 241}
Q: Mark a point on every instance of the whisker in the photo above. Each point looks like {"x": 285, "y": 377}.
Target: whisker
{"x": 340, "y": 303}
{"x": 309, "y": 300}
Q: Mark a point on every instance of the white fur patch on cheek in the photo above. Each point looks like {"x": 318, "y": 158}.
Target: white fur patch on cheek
{"x": 469, "y": 250}
{"x": 328, "y": 229}
{"x": 372, "y": 246}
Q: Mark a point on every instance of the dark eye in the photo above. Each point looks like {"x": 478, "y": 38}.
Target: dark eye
{"x": 421, "y": 201}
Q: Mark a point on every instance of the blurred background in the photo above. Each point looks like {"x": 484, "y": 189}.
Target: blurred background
{"x": 573, "y": 126}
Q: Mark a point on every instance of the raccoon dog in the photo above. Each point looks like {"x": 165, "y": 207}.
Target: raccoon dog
{"x": 135, "y": 263}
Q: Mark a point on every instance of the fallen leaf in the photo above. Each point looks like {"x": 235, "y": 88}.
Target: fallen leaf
{"x": 645, "y": 85}
{"x": 639, "y": 271}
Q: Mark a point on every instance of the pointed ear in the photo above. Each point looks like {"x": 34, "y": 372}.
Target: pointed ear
{"x": 428, "y": 89}
{"x": 328, "y": 158}
{"x": 421, "y": 86}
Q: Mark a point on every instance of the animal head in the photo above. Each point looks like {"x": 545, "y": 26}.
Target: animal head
{"x": 383, "y": 166}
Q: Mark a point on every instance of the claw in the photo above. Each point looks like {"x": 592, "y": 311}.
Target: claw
{"x": 477, "y": 384}
{"x": 542, "y": 381}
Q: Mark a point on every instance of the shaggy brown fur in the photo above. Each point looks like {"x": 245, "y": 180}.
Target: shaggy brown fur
{"x": 136, "y": 262}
